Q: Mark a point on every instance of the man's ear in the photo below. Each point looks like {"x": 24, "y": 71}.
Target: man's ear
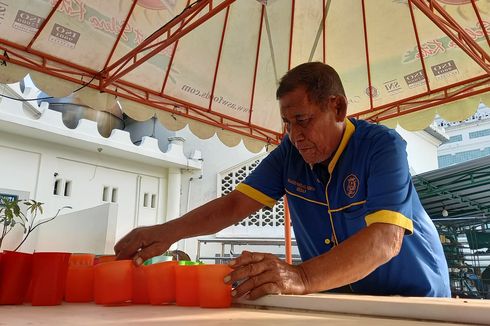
{"x": 340, "y": 107}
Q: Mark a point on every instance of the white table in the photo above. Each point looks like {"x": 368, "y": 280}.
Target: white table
{"x": 284, "y": 310}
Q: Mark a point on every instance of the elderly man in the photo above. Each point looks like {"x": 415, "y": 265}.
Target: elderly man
{"x": 358, "y": 221}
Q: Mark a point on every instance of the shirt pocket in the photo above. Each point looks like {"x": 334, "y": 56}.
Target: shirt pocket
{"x": 353, "y": 211}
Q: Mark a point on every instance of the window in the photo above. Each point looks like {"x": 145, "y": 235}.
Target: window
{"x": 455, "y": 138}
{"x": 479, "y": 133}
{"x": 57, "y": 187}
{"x": 450, "y": 159}
{"x": 114, "y": 195}
{"x": 67, "y": 192}
{"x": 153, "y": 200}
{"x": 105, "y": 194}
{"x": 145, "y": 200}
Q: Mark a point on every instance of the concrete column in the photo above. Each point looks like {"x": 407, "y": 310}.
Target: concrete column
{"x": 173, "y": 196}
{"x": 173, "y": 193}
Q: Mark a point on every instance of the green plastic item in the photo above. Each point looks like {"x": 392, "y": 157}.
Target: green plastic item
{"x": 189, "y": 263}
{"x": 157, "y": 259}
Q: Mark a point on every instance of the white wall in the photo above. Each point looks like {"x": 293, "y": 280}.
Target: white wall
{"x": 91, "y": 230}
{"x": 421, "y": 150}
{"x": 35, "y": 165}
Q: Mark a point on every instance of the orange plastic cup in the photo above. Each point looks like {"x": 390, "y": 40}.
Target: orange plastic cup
{"x": 80, "y": 278}
{"x": 104, "y": 259}
{"x": 213, "y": 292}
{"x": 140, "y": 288}
{"x": 160, "y": 279}
{"x": 49, "y": 271}
{"x": 186, "y": 285}
{"x": 81, "y": 260}
{"x": 113, "y": 282}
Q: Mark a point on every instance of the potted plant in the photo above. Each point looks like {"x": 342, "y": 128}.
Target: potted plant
{"x": 16, "y": 267}
{"x": 11, "y": 215}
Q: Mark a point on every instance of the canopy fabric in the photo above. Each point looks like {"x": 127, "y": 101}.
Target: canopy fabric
{"x": 215, "y": 65}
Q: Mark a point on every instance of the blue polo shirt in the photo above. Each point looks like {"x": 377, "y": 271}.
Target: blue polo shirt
{"x": 368, "y": 182}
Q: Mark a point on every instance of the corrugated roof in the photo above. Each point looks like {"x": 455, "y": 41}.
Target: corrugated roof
{"x": 462, "y": 189}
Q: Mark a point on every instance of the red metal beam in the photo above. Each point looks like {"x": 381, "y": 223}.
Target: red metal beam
{"x": 171, "y": 61}
{"x": 447, "y": 95}
{"x": 287, "y": 232}
{"x": 254, "y": 131}
{"x": 119, "y": 35}
{"x": 256, "y": 64}
{"x": 367, "y": 55}
{"x": 147, "y": 44}
{"x": 291, "y": 35}
{"x": 419, "y": 47}
{"x": 153, "y": 37}
{"x": 324, "y": 30}
{"x": 401, "y": 112}
{"x": 41, "y": 28}
{"x": 462, "y": 39}
{"x": 218, "y": 59}
{"x": 477, "y": 13}
{"x": 171, "y": 38}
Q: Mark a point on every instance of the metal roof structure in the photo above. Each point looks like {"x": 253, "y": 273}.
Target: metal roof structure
{"x": 463, "y": 190}
{"x": 214, "y": 64}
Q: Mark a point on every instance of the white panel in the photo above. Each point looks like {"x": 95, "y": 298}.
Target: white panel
{"x": 147, "y": 215}
{"x": 19, "y": 169}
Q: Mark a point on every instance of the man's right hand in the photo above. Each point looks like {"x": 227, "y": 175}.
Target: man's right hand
{"x": 143, "y": 243}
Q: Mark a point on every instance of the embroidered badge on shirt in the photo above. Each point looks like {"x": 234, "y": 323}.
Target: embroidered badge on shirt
{"x": 351, "y": 185}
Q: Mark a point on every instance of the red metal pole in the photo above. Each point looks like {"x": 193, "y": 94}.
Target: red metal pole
{"x": 462, "y": 39}
{"x": 162, "y": 45}
{"x": 419, "y": 47}
{"x": 256, "y": 65}
{"x": 119, "y": 35}
{"x": 41, "y": 28}
{"x": 287, "y": 232}
{"x": 370, "y": 85}
{"x": 477, "y": 12}
{"x": 225, "y": 23}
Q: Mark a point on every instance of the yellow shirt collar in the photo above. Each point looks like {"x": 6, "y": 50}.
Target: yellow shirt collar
{"x": 349, "y": 130}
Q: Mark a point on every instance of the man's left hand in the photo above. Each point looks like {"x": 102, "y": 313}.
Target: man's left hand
{"x": 261, "y": 273}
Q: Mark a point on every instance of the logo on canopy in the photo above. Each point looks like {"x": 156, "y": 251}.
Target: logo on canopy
{"x": 27, "y": 22}
{"x": 415, "y": 79}
{"x": 372, "y": 92}
{"x": 3, "y": 11}
{"x": 445, "y": 69}
{"x": 64, "y": 36}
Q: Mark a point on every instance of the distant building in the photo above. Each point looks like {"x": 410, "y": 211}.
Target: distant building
{"x": 468, "y": 139}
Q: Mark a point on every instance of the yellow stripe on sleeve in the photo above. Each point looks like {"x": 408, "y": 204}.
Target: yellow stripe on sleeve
{"x": 390, "y": 217}
{"x": 256, "y": 195}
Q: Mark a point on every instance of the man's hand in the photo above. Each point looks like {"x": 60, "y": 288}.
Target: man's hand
{"x": 263, "y": 274}
{"x": 143, "y": 243}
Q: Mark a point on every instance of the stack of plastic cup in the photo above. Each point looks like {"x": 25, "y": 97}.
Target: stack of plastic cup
{"x": 160, "y": 279}
{"x": 113, "y": 282}
{"x": 140, "y": 288}
{"x": 186, "y": 283}
{"x": 80, "y": 278}
{"x": 213, "y": 292}
{"x": 15, "y": 277}
{"x": 49, "y": 271}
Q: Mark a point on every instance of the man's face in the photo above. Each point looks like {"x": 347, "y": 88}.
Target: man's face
{"x": 316, "y": 133}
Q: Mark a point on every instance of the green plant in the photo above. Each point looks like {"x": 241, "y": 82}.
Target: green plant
{"x": 11, "y": 215}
